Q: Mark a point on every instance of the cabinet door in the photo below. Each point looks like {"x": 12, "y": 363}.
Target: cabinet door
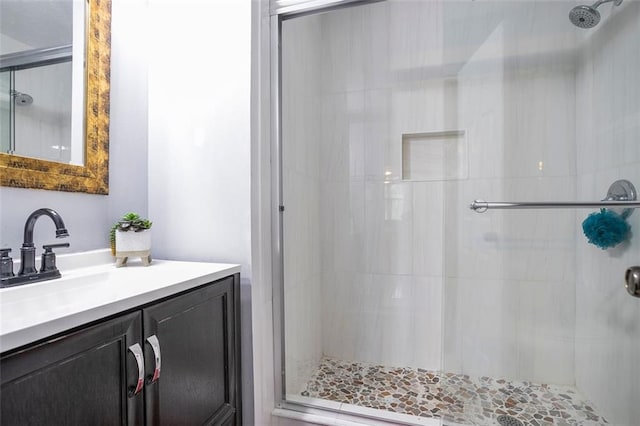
{"x": 78, "y": 379}
{"x": 196, "y": 336}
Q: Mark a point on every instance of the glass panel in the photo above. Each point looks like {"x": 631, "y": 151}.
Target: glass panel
{"x": 5, "y": 111}
{"x": 43, "y": 112}
{"x": 396, "y": 115}
{"x": 60, "y": 36}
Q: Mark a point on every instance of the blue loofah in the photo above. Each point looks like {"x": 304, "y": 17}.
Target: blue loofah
{"x": 605, "y": 229}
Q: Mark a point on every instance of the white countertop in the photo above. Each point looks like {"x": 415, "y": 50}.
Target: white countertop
{"x": 87, "y": 293}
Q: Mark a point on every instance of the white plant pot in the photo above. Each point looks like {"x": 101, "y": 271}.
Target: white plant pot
{"x": 133, "y": 244}
{"x": 133, "y": 241}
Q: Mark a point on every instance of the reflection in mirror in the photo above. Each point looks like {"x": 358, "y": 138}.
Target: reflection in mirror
{"x": 54, "y": 94}
{"x": 41, "y": 50}
{"x": 5, "y": 108}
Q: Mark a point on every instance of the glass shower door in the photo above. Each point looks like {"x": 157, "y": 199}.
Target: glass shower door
{"x": 402, "y": 303}
{"x": 362, "y": 286}
{"x": 535, "y": 314}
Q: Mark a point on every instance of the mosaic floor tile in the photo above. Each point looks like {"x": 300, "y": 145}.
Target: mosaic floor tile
{"x": 453, "y": 397}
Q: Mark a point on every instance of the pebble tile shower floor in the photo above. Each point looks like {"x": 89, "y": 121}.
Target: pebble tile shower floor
{"x": 453, "y": 397}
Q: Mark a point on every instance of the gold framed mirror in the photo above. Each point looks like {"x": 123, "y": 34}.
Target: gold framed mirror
{"x": 93, "y": 176}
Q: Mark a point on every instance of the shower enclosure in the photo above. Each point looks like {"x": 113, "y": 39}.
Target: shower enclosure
{"x": 397, "y": 301}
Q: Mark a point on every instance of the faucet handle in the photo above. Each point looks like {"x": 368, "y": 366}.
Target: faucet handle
{"x": 6, "y": 263}
{"x": 47, "y": 247}
{"x": 49, "y": 257}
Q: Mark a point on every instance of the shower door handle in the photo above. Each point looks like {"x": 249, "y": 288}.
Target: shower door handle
{"x": 632, "y": 281}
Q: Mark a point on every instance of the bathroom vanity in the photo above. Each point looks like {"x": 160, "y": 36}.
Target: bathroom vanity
{"x": 133, "y": 345}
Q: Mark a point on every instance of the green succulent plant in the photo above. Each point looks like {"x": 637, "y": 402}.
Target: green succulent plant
{"x": 129, "y": 222}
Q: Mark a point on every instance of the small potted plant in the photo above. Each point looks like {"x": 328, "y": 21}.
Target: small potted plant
{"x": 131, "y": 237}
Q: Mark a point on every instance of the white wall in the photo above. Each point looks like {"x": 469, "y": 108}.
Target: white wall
{"x": 608, "y": 131}
{"x": 199, "y": 94}
{"x": 89, "y": 217}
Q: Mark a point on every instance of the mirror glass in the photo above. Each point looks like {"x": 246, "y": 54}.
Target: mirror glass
{"x": 42, "y": 84}
{"x": 74, "y": 153}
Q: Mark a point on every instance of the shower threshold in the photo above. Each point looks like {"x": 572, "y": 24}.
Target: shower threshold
{"x": 455, "y": 398}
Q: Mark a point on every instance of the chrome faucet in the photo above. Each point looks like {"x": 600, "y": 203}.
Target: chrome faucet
{"x": 28, "y": 250}
{"x": 28, "y": 272}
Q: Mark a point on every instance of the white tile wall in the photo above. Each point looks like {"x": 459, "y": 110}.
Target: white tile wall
{"x": 607, "y": 132}
{"x": 392, "y": 250}
{"x": 389, "y": 228}
{"x": 427, "y": 249}
{"x": 513, "y": 244}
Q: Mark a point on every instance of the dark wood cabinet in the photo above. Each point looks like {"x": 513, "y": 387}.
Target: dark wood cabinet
{"x": 197, "y": 352}
{"x": 89, "y": 375}
{"x": 81, "y": 378}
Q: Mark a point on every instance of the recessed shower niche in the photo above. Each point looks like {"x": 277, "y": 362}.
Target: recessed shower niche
{"x": 434, "y": 155}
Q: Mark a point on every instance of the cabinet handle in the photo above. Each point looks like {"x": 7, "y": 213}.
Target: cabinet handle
{"x": 136, "y": 350}
{"x": 155, "y": 345}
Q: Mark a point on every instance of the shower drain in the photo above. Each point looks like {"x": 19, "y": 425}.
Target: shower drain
{"x": 505, "y": 420}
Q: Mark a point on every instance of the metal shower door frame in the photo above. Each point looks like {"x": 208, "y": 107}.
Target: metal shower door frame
{"x": 278, "y": 14}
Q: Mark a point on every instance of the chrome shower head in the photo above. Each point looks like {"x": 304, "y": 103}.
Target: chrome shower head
{"x": 584, "y": 16}
{"x": 21, "y": 99}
